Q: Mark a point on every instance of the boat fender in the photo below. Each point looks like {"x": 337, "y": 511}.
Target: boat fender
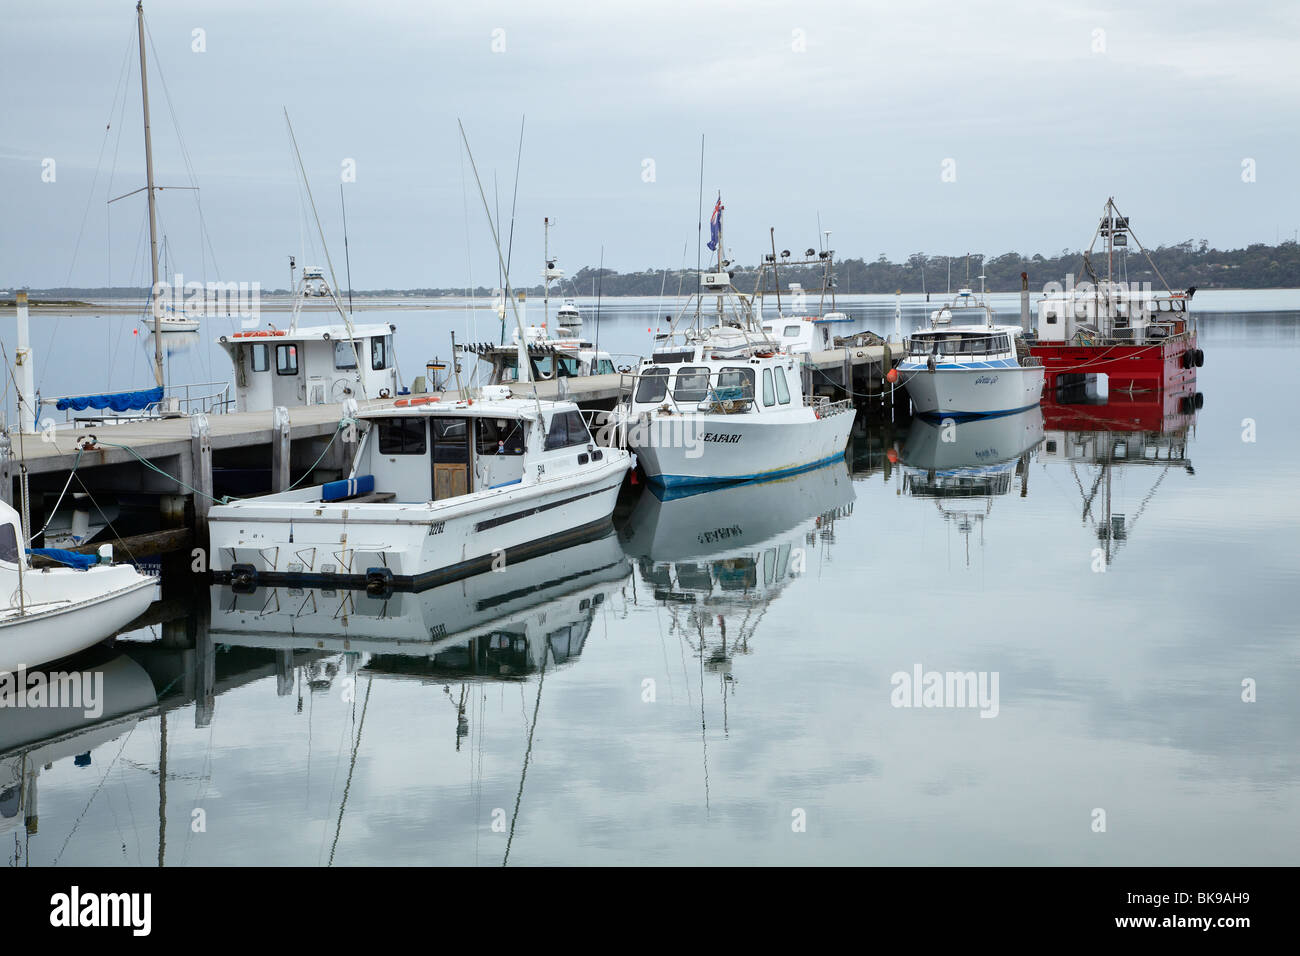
{"x": 243, "y": 578}
{"x": 930, "y": 362}
{"x": 1200, "y": 358}
{"x": 379, "y": 582}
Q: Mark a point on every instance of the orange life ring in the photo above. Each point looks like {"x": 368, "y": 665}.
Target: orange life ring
{"x": 409, "y": 402}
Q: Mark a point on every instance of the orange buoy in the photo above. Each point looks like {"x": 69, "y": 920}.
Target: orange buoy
{"x": 892, "y": 375}
{"x": 892, "y": 455}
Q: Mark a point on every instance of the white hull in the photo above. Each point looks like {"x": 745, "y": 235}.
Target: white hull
{"x": 421, "y": 545}
{"x": 67, "y": 611}
{"x": 695, "y": 449}
{"x": 959, "y": 392}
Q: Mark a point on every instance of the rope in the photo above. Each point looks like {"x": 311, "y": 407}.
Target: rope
{"x": 152, "y": 467}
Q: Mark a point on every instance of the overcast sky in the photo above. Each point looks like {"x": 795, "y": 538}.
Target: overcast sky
{"x": 847, "y": 110}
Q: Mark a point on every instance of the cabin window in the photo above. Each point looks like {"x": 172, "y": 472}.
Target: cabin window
{"x": 782, "y": 389}
{"x": 286, "y": 360}
{"x": 345, "y": 354}
{"x": 741, "y": 378}
{"x": 568, "y": 367}
{"x": 500, "y": 436}
{"x": 653, "y": 385}
{"x": 692, "y": 384}
{"x": 381, "y": 348}
{"x": 769, "y": 392}
{"x": 450, "y": 439}
{"x": 401, "y": 436}
{"x": 604, "y": 367}
{"x": 791, "y": 332}
{"x": 8, "y": 544}
{"x": 567, "y": 429}
{"x": 261, "y": 357}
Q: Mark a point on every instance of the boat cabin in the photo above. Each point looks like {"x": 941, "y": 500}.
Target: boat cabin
{"x": 799, "y": 334}
{"x": 1124, "y": 317}
{"x": 320, "y": 365}
{"x": 548, "y": 358}
{"x": 429, "y": 451}
{"x": 726, "y": 386}
{"x": 964, "y": 345}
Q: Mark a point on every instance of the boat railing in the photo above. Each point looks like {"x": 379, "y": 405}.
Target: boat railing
{"x": 208, "y": 398}
{"x": 825, "y": 408}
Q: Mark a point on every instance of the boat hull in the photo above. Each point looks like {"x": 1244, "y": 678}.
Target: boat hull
{"x": 973, "y": 392}
{"x": 69, "y": 611}
{"x": 409, "y": 547}
{"x": 677, "y": 451}
{"x": 1128, "y": 368}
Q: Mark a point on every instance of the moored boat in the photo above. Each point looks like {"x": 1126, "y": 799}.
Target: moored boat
{"x": 966, "y": 366}
{"x": 1138, "y": 339}
{"x": 52, "y": 613}
{"x": 436, "y": 492}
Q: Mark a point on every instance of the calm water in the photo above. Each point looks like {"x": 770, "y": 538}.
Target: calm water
{"x": 722, "y": 669}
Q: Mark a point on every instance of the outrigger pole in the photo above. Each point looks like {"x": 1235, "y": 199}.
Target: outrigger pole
{"x": 525, "y": 369}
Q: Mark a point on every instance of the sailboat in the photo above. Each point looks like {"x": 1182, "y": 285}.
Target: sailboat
{"x": 55, "y": 612}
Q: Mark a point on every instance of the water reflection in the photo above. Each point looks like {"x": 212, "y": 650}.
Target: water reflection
{"x": 717, "y": 559}
{"x": 502, "y": 625}
{"x": 1151, "y": 430}
{"x": 963, "y": 466}
{"x": 85, "y": 705}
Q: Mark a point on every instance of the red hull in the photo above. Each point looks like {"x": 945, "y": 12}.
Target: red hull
{"x": 1128, "y": 368}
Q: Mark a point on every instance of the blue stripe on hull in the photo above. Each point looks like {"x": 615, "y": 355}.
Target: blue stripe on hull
{"x": 680, "y": 481}
{"x": 967, "y": 416}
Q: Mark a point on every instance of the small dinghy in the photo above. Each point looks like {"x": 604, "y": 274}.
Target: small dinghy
{"x": 50, "y": 613}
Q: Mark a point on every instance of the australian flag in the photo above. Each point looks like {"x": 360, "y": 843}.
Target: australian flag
{"x": 715, "y": 226}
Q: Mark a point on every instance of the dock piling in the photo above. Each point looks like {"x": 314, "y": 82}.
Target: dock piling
{"x": 280, "y": 449}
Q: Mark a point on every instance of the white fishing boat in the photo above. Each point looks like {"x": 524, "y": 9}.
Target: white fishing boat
{"x": 436, "y": 492}
{"x": 724, "y": 402}
{"x": 568, "y": 316}
{"x": 965, "y": 366}
{"x": 54, "y": 612}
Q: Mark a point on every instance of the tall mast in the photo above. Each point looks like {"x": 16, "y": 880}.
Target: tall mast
{"x": 153, "y": 213}
{"x": 546, "y": 272}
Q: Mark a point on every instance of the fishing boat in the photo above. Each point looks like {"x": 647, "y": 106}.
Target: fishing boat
{"x": 568, "y": 316}
{"x": 1138, "y": 339}
{"x": 437, "y": 491}
{"x": 964, "y": 365}
{"x": 722, "y": 401}
{"x": 52, "y": 613}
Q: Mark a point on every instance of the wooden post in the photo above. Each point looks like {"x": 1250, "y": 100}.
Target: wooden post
{"x": 280, "y": 449}
{"x": 201, "y": 475}
{"x": 848, "y": 372}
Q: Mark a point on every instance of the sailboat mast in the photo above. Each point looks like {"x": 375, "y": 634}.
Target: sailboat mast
{"x": 153, "y": 212}
{"x": 546, "y": 272}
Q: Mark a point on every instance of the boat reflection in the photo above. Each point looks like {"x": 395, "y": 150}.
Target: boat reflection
{"x": 498, "y": 625}
{"x": 88, "y": 701}
{"x": 963, "y": 466}
{"x": 716, "y": 560}
{"x": 1092, "y": 438}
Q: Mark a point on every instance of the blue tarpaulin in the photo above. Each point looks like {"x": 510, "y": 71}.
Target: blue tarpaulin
{"x": 71, "y": 558}
{"x": 117, "y": 401}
